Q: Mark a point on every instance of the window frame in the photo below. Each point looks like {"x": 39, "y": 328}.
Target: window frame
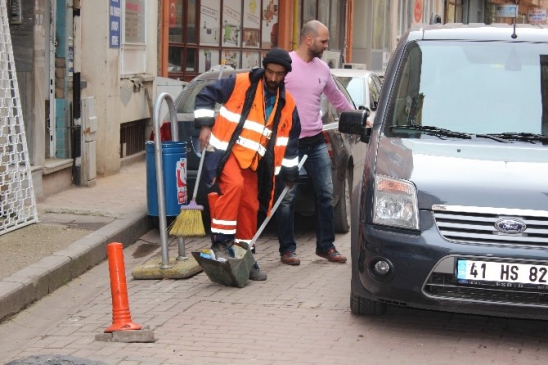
{"x": 133, "y": 55}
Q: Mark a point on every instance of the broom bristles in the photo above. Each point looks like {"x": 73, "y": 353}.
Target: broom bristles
{"x": 188, "y": 224}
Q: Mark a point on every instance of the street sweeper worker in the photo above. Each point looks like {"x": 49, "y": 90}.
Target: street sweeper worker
{"x": 252, "y": 141}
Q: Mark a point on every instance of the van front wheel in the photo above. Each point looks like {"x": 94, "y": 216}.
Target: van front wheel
{"x": 363, "y": 306}
{"x": 342, "y": 209}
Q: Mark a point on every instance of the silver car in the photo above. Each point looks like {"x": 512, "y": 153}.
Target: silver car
{"x": 364, "y": 86}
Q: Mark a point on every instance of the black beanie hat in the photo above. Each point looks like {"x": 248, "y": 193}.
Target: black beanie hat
{"x": 278, "y": 56}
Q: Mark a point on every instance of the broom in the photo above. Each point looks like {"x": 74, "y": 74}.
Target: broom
{"x": 189, "y": 221}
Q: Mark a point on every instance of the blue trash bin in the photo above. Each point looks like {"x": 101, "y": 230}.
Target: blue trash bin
{"x": 174, "y": 167}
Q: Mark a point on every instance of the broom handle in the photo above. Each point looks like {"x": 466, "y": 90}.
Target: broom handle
{"x": 200, "y": 166}
{"x": 273, "y": 210}
{"x": 195, "y": 193}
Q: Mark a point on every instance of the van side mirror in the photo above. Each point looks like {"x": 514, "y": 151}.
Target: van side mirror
{"x": 353, "y": 122}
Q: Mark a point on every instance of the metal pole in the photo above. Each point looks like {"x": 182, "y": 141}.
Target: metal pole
{"x": 181, "y": 248}
{"x": 159, "y": 169}
{"x": 175, "y": 137}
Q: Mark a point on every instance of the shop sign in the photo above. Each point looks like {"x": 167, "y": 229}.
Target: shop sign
{"x": 115, "y": 16}
{"x": 537, "y": 16}
{"x": 506, "y": 11}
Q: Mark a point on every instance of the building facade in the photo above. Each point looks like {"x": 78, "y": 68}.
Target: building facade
{"x": 203, "y": 33}
{"x": 86, "y": 71}
{"x": 378, "y": 24}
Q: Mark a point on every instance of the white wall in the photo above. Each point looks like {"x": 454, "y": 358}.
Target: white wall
{"x": 117, "y": 100}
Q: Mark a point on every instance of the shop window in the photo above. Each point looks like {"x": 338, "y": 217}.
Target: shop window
{"x": 174, "y": 59}
{"x": 133, "y": 50}
{"x": 204, "y": 33}
{"x": 269, "y": 23}
{"x": 191, "y": 56}
{"x": 175, "y": 21}
{"x": 191, "y": 21}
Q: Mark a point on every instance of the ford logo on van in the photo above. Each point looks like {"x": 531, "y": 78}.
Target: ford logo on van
{"x": 510, "y": 226}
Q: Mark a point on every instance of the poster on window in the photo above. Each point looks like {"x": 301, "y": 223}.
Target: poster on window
{"x": 175, "y": 21}
{"x": 231, "y": 58}
{"x": 232, "y": 20}
{"x": 207, "y": 58}
{"x": 134, "y": 22}
{"x": 251, "y": 24}
{"x": 269, "y": 18}
{"x": 250, "y": 59}
{"x": 210, "y": 23}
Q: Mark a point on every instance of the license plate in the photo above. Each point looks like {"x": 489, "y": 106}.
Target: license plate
{"x": 501, "y": 272}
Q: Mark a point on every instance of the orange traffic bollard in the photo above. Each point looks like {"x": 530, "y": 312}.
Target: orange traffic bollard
{"x": 121, "y": 318}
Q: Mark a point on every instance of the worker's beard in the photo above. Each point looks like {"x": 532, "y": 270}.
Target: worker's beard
{"x": 272, "y": 86}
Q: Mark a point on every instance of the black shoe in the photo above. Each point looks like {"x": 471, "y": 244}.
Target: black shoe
{"x": 223, "y": 249}
{"x": 256, "y": 274}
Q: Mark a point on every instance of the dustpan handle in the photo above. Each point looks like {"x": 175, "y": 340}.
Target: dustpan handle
{"x": 274, "y": 207}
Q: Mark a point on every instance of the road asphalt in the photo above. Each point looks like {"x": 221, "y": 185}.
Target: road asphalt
{"x": 74, "y": 228}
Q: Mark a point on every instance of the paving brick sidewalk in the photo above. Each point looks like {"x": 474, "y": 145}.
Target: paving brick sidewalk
{"x": 74, "y": 227}
{"x": 300, "y": 315}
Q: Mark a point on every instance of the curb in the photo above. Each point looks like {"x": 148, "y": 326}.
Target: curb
{"x": 36, "y": 281}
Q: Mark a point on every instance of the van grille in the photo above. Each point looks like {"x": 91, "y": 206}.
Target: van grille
{"x": 443, "y": 286}
{"x": 478, "y": 225}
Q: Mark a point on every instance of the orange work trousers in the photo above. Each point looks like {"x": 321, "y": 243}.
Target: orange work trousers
{"x": 234, "y": 211}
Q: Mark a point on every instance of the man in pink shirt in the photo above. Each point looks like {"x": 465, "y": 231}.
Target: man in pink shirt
{"x": 310, "y": 79}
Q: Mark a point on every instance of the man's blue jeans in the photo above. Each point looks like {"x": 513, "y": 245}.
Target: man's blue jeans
{"x": 318, "y": 168}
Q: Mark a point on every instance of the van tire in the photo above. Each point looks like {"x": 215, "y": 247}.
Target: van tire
{"x": 363, "y": 306}
{"x": 341, "y": 216}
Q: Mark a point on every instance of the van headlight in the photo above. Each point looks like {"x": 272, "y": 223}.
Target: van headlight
{"x": 395, "y": 203}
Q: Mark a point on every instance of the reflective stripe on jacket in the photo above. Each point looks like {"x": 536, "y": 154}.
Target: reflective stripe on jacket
{"x": 251, "y": 144}
{"x": 240, "y": 128}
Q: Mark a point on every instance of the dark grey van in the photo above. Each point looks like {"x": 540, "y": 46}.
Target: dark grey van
{"x": 452, "y": 209}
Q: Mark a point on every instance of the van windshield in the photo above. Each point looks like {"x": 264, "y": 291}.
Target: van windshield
{"x": 472, "y": 87}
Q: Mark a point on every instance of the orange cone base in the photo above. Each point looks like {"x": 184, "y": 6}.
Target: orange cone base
{"x": 130, "y": 326}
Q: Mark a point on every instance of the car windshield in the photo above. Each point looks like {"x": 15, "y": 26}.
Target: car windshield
{"x": 471, "y": 87}
{"x": 355, "y": 87}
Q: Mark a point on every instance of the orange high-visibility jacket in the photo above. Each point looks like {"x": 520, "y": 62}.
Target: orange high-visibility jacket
{"x": 240, "y": 127}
